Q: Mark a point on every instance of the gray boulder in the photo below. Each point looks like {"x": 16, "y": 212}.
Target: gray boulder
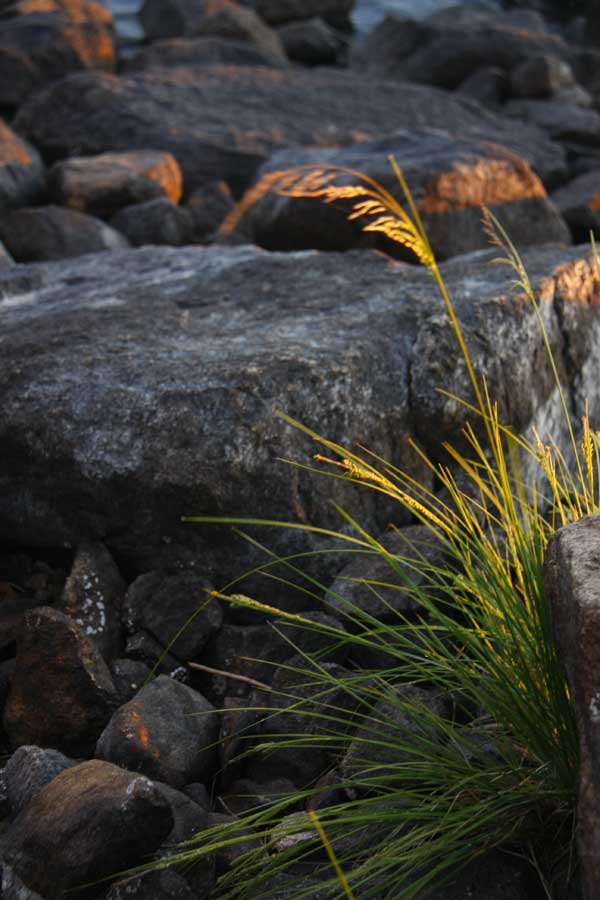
{"x": 52, "y": 232}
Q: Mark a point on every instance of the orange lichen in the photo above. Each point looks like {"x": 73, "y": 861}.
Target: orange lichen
{"x": 483, "y": 183}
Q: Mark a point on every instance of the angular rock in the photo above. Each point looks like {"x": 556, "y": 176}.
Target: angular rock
{"x": 89, "y": 822}
{"x": 226, "y": 19}
{"x": 572, "y": 586}
{"x": 199, "y": 51}
{"x": 579, "y": 204}
{"x": 51, "y": 232}
{"x": 157, "y": 221}
{"x": 28, "y": 770}
{"x": 312, "y": 42}
{"x": 100, "y": 185}
{"x": 22, "y": 173}
{"x": 163, "y": 605}
{"x": 93, "y": 595}
{"x": 188, "y": 112}
{"x": 541, "y": 76}
{"x": 445, "y": 49}
{"x": 169, "y": 410}
{"x": 450, "y": 178}
{"x": 40, "y": 47}
{"x": 167, "y": 732}
{"x": 61, "y": 694}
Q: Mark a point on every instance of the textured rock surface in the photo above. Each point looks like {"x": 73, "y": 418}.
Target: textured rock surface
{"x": 189, "y": 112}
{"x": 110, "y": 820}
{"x": 22, "y": 172}
{"x": 28, "y": 770}
{"x": 163, "y": 369}
{"x": 52, "y": 232}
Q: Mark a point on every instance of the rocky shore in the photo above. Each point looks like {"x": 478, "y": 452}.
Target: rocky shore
{"x": 147, "y": 345}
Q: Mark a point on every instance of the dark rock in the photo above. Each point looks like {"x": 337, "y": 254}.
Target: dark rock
{"x": 189, "y": 111}
{"x": 447, "y": 48}
{"x": 244, "y": 795}
{"x": 227, "y": 855}
{"x": 228, "y": 20}
{"x": 199, "y": 51}
{"x": 541, "y": 76}
{"x": 312, "y": 42}
{"x": 6, "y": 259}
{"x": 450, "y": 177}
{"x": 238, "y": 728}
{"x": 168, "y": 410}
{"x": 579, "y": 204}
{"x": 39, "y": 47}
{"x": 188, "y": 820}
{"x": 155, "y": 222}
{"x": 277, "y": 12}
{"x": 486, "y": 85}
{"x": 199, "y": 794}
{"x": 573, "y": 590}
{"x": 495, "y": 876}
{"x": 102, "y": 184}
{"x": 89, "y": 822}
{"x": 129, "y": 676}
{"x": 12, "y": 611}
{"x": 93, "y": 595}
{"x": 561, "y": 121}
{"x": 167, "y": 731}
{"x": 51, "y": 232}
{"x": 143, "y": 647}
{"x": 167, "y": 605}
{"x": 13, "y": 888}
{"x": 22, "y": 173}
{"x": 61, "y": 694}
{"x": 171, "y": 18}
{"x": 371, "y": 585}
{"x": 163, "y": 884}
{"x": 208, "y": 207}
{"x": 28, "y": 770}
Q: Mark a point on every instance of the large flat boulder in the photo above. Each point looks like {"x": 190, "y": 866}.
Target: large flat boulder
{"x": 222, "y": 122}
{"x": 157, "y": 373}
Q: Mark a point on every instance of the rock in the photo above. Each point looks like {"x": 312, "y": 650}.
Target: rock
{"x": 312, "y": 42}
{"x": 188, "y": 112}
{"x": 579, "y": 204}
{"x": 541, "y": 76}
{"x": 163, "y": 884}
{"x": 167, "y": 731}
{"x": 199, "y": 794}
{"x": 370, "y": 584}
{"x": 228, "y": 20}
{"x": 93, "y": 595}
{"x": 171, "y": 18}
{"x": 227, "y": 855}
{"x": 13, "y": 888}
{"x": 445, "y": 49}
{"x": 167, "y": 605}
{"x": 129, "y": 676}
{"x": 169, "y": 410}
{"x": 208, "y": 207}
{"x": 450, "y": 178}
{"x": 88, "y": 823}
{"x": 51, "y": 232}
{"x": 6, "y": 259}
{"x": 200, "y": 51}
{"x": 486, "y": 86}
{"x": 142, "y": 647}
{"x": 495, "y": 876}
{"x": 573, "y": 591}
{"x": 155, "y": 222}
{"x": 278, "y": 12}
{"x": 40, "y": 47}
{"x": 28, "y": 770}
{"x": 244, "y": 795}
{"x": 561, "y": 121}
{"x": 22, "y": 173}
{"x": 61, "y": 694}
{"x": 189, "y": 820}
{"x": 101, "y": 185}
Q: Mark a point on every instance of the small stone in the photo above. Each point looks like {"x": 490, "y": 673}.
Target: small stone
{"x": 129, "y": 676}
{"x": 28, "y": 770}
{"x": 158, "y": 221}
{"x": 51, "y": 232}
{"x": 168, "y": 731}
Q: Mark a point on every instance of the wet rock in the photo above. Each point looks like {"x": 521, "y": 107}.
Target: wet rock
{"x": 42, "y": 46}
{"x": 102, "y": 184}
{"x": 199, "y": 51}
{"x": 129, "y": 676}
{"x": 541, "y": 76}
{"x": 450, "y": 177}
{"x": 573, "y": 589}
{"x": 161, "y": 415}
{"x": 157, "y": 221}
{"x": 579, "y": 204}
{"x": 167, "y": 732}
{"x": 61, "y": 694}
{"x": 188, "y": 111}
{"x": 164, "y": 884}
{"x": 228, "y": 20}
{"x": 22, "y": 172}
{"x": 51, "y": 232}
{"x": 208, "y": 207}
{"x": 28, "y": 770}
{"x": 109, "y": 820}
{"x": 165, "y": 605}
{"x": 93, "y": 595}
{"x": 312, "y": 42}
